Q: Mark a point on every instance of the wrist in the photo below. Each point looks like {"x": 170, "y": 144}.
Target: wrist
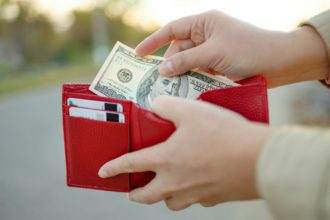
{"x": 261, "y": 134}
{"x": 309, "y": 56}
{"x": 256, "y": 137}
{"x": 296, "y": 56}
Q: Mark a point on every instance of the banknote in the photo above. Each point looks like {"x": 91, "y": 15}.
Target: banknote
{"x": 124, "y": 75}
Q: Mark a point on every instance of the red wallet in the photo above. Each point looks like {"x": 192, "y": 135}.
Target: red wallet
{"x": 90, "y": 143}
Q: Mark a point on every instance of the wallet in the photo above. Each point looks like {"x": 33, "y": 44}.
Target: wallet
{"x": 90, "y": 143}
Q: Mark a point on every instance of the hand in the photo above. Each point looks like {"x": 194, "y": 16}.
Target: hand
{"x": 220, "y": 44}
{"x": 208, "y": 160}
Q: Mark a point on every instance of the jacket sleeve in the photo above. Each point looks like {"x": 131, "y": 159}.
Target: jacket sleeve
{"x": 293, "y": 173}
{"x": 321, "y": 24}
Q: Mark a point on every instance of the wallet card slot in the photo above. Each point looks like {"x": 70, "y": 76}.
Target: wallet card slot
{"x": 66, "y": 109}
{"x": 126, "y": 104}
{"x": 88, "y": 145}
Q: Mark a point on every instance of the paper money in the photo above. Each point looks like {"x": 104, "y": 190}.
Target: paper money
{"x": 124, "y": 75}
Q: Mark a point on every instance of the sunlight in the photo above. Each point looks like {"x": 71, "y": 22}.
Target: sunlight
{"x": 276, "y": 15}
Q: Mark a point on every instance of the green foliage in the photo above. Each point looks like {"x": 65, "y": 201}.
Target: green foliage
{"x": 46, "y": 76}
{"x": 80, "y": 33}
{"x": 33, "y": 53}
{"x": 5, "y": 69}
{"x": 32, "y": 35}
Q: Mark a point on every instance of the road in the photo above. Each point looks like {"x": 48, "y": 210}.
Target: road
{"x": 32, "y": 173}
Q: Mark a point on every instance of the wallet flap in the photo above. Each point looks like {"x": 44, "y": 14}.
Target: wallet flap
{"x": 249, "y": 99}
{"x": 147, "y": 129}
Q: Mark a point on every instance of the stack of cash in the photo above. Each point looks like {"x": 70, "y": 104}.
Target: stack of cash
{"x": 125, "y": 75}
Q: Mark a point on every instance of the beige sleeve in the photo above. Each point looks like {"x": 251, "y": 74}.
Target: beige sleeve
{"x": 321, "y": 24}
{"x": 294, "y": 173}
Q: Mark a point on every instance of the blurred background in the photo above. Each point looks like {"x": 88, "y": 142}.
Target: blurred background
{"x": 45, "y": 43}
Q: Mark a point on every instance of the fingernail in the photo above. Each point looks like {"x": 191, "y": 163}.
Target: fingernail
{"x": 102, "y": 173}
{"x": 166, "y": 68}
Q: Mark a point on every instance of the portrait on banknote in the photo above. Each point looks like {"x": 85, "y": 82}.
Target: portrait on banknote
{"x": 154, "y": 84}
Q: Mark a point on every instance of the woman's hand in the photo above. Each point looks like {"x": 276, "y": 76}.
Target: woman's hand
{"x": 220, "y": 44}
{"x": 211, "y": 157}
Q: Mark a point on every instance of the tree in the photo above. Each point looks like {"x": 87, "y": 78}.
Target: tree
{"x": 31, "y": 33}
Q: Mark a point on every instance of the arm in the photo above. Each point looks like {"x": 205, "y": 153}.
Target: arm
{"x": 224, "y": 45}
{"x": 234, "y": 164}
{"x": 294, "y": 166}
{"x": 294, "y": 173}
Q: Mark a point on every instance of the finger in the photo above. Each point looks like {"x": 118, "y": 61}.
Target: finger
{"x": 149, "y": 194}
{"x": 208, "y": 204}
{"x": 214, "y": 199}
{"x": 182, "y": 62}
{"x": 179, "y": 110}
{"x": 139, "y": 161}
{"x": 179, "y": 29}
{"x": 173, "y": 108}
{"x": 177, "y": 203}
{"x": 178, "y": 46}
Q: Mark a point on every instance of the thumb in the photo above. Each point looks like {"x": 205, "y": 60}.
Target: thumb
{"x": 182, "y": 62}
{"x": 172, "y": 108}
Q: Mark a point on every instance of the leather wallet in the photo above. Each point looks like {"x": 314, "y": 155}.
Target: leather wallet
{"x": 90, "y": 143}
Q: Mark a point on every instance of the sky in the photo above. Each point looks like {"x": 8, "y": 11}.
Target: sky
{"x": 271, "y": 14}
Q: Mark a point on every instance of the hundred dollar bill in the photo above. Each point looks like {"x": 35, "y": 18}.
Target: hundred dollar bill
{"x": 124, "y": 75}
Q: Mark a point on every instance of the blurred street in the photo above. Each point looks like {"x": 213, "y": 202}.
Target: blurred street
{"x": 32, "y": 173}
{"x": 44, "y": 43}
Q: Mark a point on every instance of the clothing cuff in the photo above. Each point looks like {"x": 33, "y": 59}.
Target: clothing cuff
{"x": 321, "y": 24}
{"x": 293, "y": 173}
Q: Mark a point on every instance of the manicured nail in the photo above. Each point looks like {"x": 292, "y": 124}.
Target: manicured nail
{"x": 102, "y": 173}
{"x": 166, "y": 68}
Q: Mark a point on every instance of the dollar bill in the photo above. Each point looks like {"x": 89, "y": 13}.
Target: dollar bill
{"x": 124, "y": 75}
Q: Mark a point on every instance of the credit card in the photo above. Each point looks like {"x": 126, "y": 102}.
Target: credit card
{"x": 97, "y": 105}
{"x": 97, "y": 115}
